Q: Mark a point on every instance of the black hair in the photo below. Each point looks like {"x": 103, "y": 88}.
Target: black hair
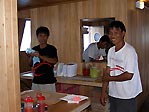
{"x": 118, "y": 24}
{"x": 105, "y": 38}
{"x": 42, "y": 29}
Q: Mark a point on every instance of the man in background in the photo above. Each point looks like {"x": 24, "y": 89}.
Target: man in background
{"x": 96, "y": 50}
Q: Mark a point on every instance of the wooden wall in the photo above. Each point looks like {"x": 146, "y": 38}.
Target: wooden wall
{"x": 138, "y": 31}
{"x": 64, "y": 23}
{"x": 9, "y": 68}
{"x": 24, "y": 62}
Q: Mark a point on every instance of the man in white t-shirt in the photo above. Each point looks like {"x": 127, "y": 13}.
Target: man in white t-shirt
{"x": 95, "y": 50}
{"x": 122, "y": 73}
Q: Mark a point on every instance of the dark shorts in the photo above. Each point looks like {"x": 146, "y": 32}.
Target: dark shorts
{"x": 122, "y": 105}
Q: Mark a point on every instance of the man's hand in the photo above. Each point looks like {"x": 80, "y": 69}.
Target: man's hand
{"x": 36, "y": 53}
{"x": 103, "y": 98}
{"x": 106, "y": 77}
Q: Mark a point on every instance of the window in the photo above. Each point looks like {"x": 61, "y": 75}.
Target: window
{"x": 91, "y": 36}
{"x": 26, "y": 39}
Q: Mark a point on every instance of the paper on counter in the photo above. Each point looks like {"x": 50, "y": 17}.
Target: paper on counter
{"x": 74, "y": 98}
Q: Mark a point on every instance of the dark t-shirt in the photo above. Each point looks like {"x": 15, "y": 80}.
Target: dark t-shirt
{"x": 46, "y": 72}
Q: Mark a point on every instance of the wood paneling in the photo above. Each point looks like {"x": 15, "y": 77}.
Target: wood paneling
{"x": 138, "y": 25}
{"x": 9, "y": 70}
{"x": 64, "y": 23}
{"x": 27, "y": 4}
{"x": 24, "y": 62}
{"x": 24, "y": 14}
{"x": 63, "y": 20}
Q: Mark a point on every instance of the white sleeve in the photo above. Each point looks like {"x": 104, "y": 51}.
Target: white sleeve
{"x": 131, "y": 61}
{"x": 108, "y": 58}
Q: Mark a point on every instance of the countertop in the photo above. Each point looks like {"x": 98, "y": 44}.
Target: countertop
{"x": 57, "y": 105}
{"x": 80, "y": 80}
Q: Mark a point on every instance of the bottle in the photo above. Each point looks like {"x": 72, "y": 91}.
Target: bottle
{"x": 41, "y": 103}
{"x": 85, "y": 69}
{"x": 28, "y": 104}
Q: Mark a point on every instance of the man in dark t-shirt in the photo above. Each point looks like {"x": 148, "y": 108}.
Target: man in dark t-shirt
{"x": 44, "y": 79}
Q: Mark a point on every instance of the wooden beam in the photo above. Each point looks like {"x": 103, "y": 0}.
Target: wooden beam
{"x": 28, "y": 4}
{"x": 9, "y": 70}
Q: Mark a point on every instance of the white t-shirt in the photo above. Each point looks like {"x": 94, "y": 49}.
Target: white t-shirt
{"x": 119, "y": 62}
{"x": 93, "y": 52}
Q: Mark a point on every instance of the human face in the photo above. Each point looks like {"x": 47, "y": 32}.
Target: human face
{"x": 42, "y": 38}
{"x": 116, "y": 35}
{"x": 103, "y": 45}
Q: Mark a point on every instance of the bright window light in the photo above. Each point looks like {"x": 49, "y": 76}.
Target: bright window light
{"x": 26, "y": 39}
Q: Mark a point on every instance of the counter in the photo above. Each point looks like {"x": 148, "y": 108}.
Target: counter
{"x": 80, "y": 80}
{"x": 55, "y": 104}
{"x": 82, "y": 85}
